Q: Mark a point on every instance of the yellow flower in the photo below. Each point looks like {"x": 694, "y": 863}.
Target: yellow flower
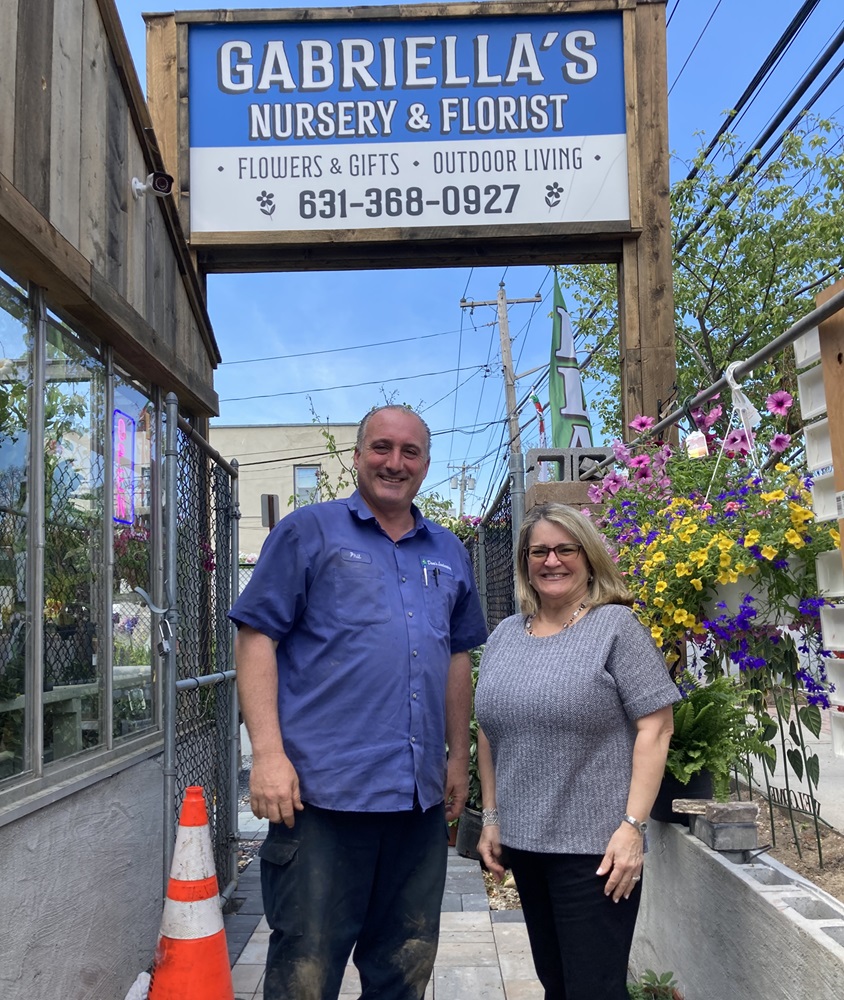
{"x": 696, "y": 583}
{"x": 656, "y": 632}
{"x": 833, "y": 534}
{"x": 769, "y": 552}
{"x": 782, "y": 467}
{"x": 660, "y": 586}
{"x": 725, "y": 560}
{"x": 682, "y": 569}
{"x": 699, "y": 557}
{"x": 794, "y": 539}
{"x": 658, "y": 601}
{"x": 751, "y": 538}
{"x": 775, "y": 496}
{"x": 658, "y": 557}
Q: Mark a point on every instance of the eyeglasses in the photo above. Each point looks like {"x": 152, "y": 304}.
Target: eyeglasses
{"x": 564, "y": 552}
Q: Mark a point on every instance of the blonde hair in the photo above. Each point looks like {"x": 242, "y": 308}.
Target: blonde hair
{"x": 606, "y": 584}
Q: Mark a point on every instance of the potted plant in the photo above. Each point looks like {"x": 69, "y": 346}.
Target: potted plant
{"x": 712, "y": 738}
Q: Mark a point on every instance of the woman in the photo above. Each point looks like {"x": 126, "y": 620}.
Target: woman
{"x": 574, "y": 706}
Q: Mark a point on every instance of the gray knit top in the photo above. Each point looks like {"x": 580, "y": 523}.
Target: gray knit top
{"x": 559, "y": 713}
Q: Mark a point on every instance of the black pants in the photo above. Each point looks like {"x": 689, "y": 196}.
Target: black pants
{"x": 369, "y": 881}
{"x": 580, "y": 939}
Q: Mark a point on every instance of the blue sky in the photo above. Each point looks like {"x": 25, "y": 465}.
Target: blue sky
{"x": 446, "y": 361}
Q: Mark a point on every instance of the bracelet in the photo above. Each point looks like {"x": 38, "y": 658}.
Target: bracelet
{"x": 489, "y": 817}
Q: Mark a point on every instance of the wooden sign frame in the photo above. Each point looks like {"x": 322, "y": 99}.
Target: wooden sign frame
{"x": 640, "y": 246}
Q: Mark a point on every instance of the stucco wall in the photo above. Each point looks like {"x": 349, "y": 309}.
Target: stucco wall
{"x": 81, "y": 891}
{"x": 735, "y": 932}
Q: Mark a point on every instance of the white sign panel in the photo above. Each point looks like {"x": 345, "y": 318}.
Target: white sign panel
{"x": 447, "y": 122}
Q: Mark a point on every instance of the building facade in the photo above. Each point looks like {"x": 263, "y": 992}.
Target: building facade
{"x": 101, "y": 314}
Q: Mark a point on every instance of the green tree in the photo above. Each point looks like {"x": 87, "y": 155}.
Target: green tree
{"x": 753, "y": 244}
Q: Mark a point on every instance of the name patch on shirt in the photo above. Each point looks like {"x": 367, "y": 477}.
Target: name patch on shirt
{"x": 436, "y": 564}
{"x": 352, "y": 555}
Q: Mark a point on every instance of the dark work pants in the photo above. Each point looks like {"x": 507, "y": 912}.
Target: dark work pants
{"x": 580, "y": 939}
{"x": 338, "y": 881}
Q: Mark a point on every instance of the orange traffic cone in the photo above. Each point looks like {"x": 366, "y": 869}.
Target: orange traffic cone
{"x": 192, "y": 959}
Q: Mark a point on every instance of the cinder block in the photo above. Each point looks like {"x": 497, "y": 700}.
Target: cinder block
{"x": 567, "y": 493}
{"x": 693, "y": 807}
{"x": 726, "y": 836}
{"x": 732, "y": 812}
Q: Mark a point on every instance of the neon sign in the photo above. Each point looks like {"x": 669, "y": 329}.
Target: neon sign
{"x": 123, "y": 467}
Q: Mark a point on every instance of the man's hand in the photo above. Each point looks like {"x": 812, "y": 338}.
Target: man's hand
{"x": 274, "y": 788}
{"x": 456, "y": 787}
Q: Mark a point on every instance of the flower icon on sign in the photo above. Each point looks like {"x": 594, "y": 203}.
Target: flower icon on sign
{"x": 553, "y": 194}
{"x": 265, "y": 198}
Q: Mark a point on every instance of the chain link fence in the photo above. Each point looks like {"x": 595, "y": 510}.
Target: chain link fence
{"x": 492, "y": 557}
{"x": 205, "y": 737}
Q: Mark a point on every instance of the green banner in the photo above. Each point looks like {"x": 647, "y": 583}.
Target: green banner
{"x": 570, "y": 425}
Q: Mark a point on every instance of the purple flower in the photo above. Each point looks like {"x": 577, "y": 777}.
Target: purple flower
{"x": 736, "y": 441}
{"x": 640, "y": 423}
{"x": 595, "y": 493}
{"x": 614, "y": 482}
{"x": 640, "y": 462}
{"x": 621, "y": 451}
{"x": 779, "y": 442}
{"x": 779, "y": 402}
{"x": 642, "y": 475}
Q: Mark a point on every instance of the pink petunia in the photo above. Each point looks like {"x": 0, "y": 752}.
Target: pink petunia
{"x": 641, "y": 423}
{"x": 779, "y": 443}
{"x": 779, "y": 403}
{"x": 699, "y": 417}
{"x": 614, "y": 482}
{"x": 640, "y": 461}
{"x": 736, "y": 441}
{"x": 595, "y": 493}
{"x": 712, "y": 417}
{"x": 643, "y": 475}
{"x": 621, "y": 451}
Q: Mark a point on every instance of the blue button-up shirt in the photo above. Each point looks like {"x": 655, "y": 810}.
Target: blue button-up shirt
{"x": 365, "y": 627}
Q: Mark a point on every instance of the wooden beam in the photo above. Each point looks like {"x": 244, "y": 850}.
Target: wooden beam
{"x": 831, "y": 337}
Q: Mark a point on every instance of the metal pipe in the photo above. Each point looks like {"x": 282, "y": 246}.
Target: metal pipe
{"x": 787, "y": 337}
{"x": 34, "y": 744}
{"x": 206, "y": 680}
{"x": 234, "y": 708}
{"x": 171, "y": 616}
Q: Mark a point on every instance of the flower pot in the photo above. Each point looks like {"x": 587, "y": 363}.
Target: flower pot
{"x": 469, "y": 833}
{"x": 699, "y": 787}
{"x": 732, "y": 595}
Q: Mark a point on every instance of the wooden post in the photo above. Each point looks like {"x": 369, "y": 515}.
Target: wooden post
{"x": 646, "y": 293}
{"x": 831, "y": 337}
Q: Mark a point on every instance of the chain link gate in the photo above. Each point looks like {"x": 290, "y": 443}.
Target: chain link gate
{"x": 196, "y": 637}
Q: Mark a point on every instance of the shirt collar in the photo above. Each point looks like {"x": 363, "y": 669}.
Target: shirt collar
{"x": 358, "y": 507}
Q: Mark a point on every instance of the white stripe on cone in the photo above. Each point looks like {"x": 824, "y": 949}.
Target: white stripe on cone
{"x": 193, "y": 856}
{"x": 185, "y": 921}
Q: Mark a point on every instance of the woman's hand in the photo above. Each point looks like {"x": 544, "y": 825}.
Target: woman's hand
{"x": 489, "y": 848}
{"x": 624, "y": 859}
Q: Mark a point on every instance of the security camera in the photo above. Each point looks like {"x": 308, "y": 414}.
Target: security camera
{"x": 157, "y": 183}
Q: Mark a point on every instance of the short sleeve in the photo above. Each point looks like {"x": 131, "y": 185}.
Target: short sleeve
{"x": 638, "y": 668}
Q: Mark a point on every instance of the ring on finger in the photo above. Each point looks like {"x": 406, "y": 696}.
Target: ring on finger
{"x": 635, "y": 878}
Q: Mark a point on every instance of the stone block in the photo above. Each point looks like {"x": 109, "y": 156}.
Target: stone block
{"x": 574, "y": 494}
{"x": 726, "y": 836}
{"x": 732, "y": 812}
{"x": 694, "y": 807}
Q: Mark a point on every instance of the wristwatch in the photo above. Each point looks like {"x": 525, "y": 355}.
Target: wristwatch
{"x": 640, "y": 825}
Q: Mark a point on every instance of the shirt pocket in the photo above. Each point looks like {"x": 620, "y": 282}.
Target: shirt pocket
{"x": 440, "y": 597}
{"x": 360, "y": 595}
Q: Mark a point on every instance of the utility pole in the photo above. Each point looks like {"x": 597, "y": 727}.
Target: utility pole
{"x": 462, "y": 481}
{"x": 517, "y": 459}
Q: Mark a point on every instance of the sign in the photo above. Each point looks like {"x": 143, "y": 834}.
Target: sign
{"x": 123, "y": 467}
{"x": 440, "y": 122}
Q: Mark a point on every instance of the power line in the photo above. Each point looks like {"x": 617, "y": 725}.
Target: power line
{"x": 697, "y": 42}
{"x": 352, "y": 385}
{"x": 336, "y": 350}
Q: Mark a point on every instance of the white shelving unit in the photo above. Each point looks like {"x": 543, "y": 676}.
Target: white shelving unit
{"x": 812, "y": 394}
{"x": 836, "y": 725}
{"x": 807, "y": 348}
{"x": 832, "y": 626}
{"x": 830, "y": 574}
{"x": 818, "y": 445}
{"x": 823, "y": 497}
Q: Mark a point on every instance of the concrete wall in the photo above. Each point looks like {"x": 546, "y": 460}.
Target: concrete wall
{"x": 81, "y": 896}
{"x": 735, "y": 932}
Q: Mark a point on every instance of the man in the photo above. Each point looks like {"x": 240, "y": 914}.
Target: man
{"x": 353, "y": 673}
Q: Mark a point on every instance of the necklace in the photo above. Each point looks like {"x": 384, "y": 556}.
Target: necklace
{"x": 577, "y": 613}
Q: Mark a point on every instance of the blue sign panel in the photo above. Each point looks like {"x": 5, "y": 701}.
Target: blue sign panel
{"x": 442, "y": 121}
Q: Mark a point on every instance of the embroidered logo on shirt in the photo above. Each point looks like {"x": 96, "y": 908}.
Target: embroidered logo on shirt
{"x": 351, "y": 556}
{"x": 436, "y": 564}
